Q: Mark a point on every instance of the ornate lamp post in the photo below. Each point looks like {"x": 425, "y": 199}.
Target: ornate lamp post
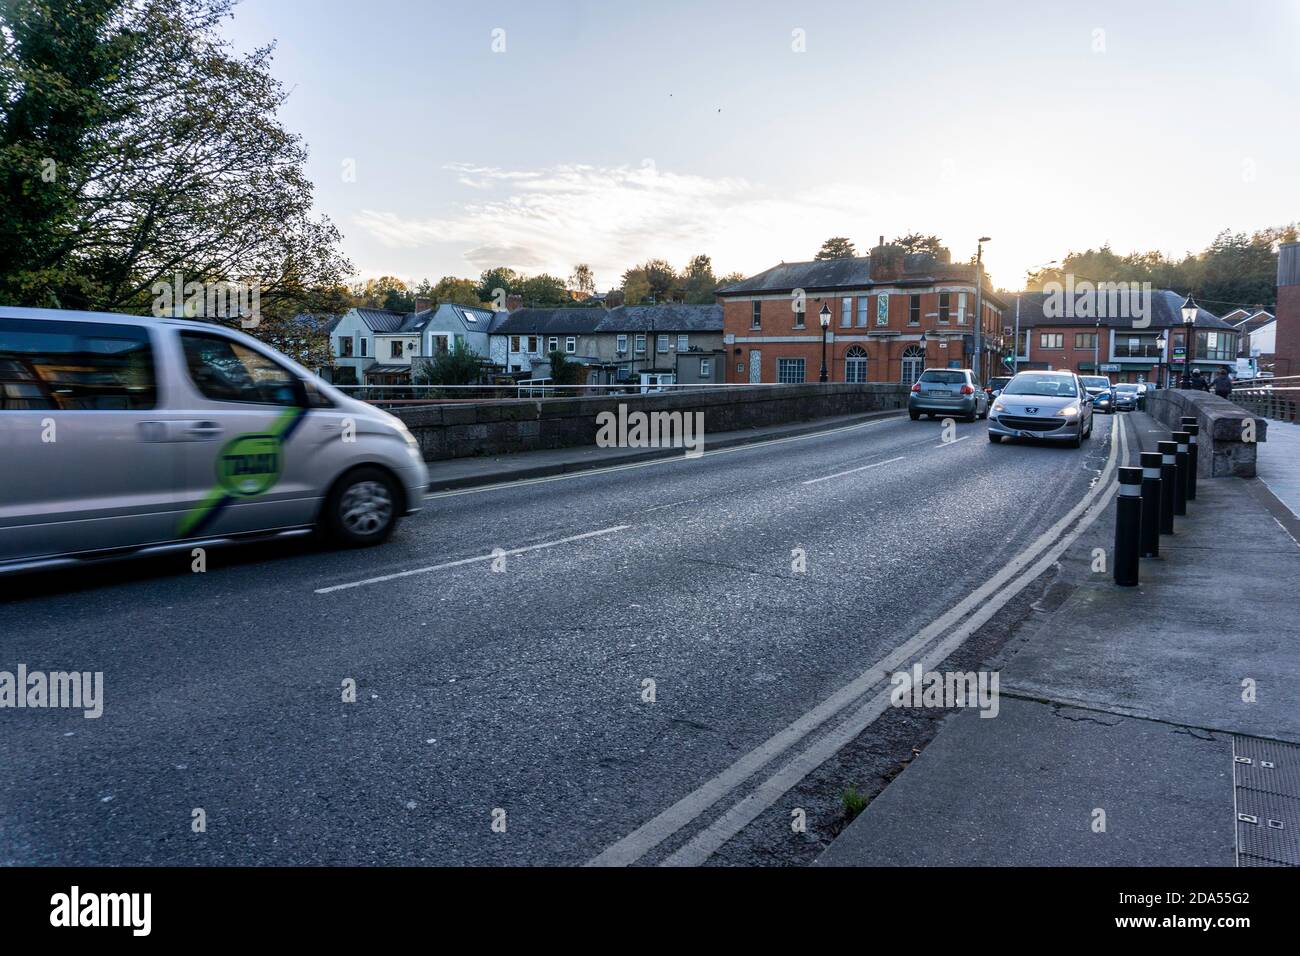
{"x": 824, "y": 316}
{"x": 1189, "y": 340}
{"x": 1161, "y": 343}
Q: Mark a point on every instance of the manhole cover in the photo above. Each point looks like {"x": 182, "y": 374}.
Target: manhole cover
{"x": 1266, "y": 776}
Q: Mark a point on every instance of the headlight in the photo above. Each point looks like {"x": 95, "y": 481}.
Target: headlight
{"x": 406, "y": 435}
{"x": 1069, "y": 411}
{"x": 999, "y": 407}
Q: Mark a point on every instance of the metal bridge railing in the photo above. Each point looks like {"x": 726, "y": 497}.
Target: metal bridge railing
{"x": 1275, "y": 398}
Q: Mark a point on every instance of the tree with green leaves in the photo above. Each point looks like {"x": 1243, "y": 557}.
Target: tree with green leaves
{"x": 1235, "y": 270}
{"x": 565, "y": 371}
{"x": 136, "y": 145}
{"x": 460, "y": 365}
{"x": 454, "y": 291}
{"x": 655, "y": 280}
{"x": 698, "y": 281}
{"x": 545, "y": 291}
{"x": 495, "y": 284}
{"x": 583, "y": 279}
{"x": 836, "y": 247}
{"x": 914, "y": 242}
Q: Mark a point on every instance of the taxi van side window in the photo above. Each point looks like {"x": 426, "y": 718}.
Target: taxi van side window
{"x": 226, "y": 371}
{"x": 75, "y": 366}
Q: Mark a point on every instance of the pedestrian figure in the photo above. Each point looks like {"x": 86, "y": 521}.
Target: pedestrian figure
{"x": 1223, "y": 383}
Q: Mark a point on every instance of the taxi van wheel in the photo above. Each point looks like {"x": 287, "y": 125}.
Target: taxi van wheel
{"x": 996, "y": 439}
{"x": 362, "y": 509}
{"x": 914, "y": 415}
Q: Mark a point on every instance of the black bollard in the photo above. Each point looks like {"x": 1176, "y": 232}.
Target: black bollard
{"x": 1193, "y": 452}
{"x": 1180, "y": 479}
{"x": 1168, "y": 475}
{"x": 1150, "y": 504}
{"x": 1128, "y": 521}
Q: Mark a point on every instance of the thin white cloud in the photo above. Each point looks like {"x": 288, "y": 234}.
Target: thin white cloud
{"x": 613, "y": 217}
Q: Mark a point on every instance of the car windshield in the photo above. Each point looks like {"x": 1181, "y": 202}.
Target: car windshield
{"x": 944, "y": 378}
{"x": 1059, "y": 386}
{"x": 1096, "y": 381}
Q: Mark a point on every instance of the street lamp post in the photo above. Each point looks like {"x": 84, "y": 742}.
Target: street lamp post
{"x": 824, "y": 316}
{"x": 1189, "y": 345}
{"x": 979, "y": 317}
{"x": 1161, "y": 343}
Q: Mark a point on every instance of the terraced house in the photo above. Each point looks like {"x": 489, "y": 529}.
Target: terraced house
{"x": 1136, "y": 342}
{"x": 379, "y": 347}
{"x": 890, "y": 317}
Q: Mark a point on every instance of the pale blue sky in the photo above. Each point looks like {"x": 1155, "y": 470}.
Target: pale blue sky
{"x": 617, "y": 131}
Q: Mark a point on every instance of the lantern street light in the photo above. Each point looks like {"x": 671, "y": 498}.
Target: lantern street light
{"x": 1161, "y": 342}
{"x": 825, "y": 318}
{"x": 1189, "y": 325}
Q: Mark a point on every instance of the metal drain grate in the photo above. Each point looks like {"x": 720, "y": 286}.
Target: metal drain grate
{"x": 1266, "y": 776}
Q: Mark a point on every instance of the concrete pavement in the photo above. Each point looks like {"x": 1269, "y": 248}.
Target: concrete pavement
{"x": 1279, "y": 463}
{"x": 1124, "y": 705}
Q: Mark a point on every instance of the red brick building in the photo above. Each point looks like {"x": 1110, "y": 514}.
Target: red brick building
{"x": 1287, "y": 360}
{"x": 891, "y": 316}
{"x": 1139, "y": 339}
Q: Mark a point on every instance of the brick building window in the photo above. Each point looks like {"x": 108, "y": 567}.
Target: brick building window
{"x": 757, "y": 322}
{"x": 961, "y": 308}
{"x": 846, "y": 313}
{"x": 863, "y": 302}
{"x": 945, "y": 307}
{"x": 1051, "y": 340}
{"x": 798, "y": 317}
{"x": 855, "y": 365}
{"x": 914, "y": 310}
{"x": 790, "y": 371}
{"x": 882, "y": 309}
{"x": 1085, "y": 340}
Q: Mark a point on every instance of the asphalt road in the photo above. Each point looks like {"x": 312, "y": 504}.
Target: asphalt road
{"x": 519, "y": 688}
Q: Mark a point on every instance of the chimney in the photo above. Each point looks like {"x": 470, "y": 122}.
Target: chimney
{"x": 1287, "y": 361}
{"x": 422, "y": 303}
{"x": 514, "y": 302}
{"x": 882, "y": 241}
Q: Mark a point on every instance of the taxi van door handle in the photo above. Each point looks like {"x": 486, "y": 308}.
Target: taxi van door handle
{"x": 203, "y": 431}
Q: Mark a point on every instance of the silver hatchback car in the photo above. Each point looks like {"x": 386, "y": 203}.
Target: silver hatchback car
{"x": 1053, "y": 406}
{"x": 121, "y": 434}
{"x": 948, "y": 392}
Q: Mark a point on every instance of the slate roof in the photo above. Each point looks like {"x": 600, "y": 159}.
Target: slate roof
{"x": 670, "y": 317}
{"x": 818, "y": 274}
{"x": 381, "y": 320}
{"x": 827, "y": 275}
{"x": 1166, "y": 312}
{"x": 562, "y": 321}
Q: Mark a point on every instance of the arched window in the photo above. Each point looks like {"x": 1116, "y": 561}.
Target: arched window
{"x": 913, "y": 364}
{"x": 855, "y": 365}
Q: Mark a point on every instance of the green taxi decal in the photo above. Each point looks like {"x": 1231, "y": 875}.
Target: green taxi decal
{"x": 247, "y": 466}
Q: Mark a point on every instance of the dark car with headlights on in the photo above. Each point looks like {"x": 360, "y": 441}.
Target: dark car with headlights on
{"x": 1051, "y": 406}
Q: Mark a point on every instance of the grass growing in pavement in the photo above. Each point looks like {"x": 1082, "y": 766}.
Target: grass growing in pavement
{"x": 854, "y": 803}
